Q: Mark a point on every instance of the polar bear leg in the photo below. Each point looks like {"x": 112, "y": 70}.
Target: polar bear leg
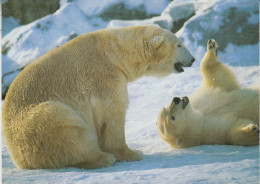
{"x": 216, "y": 74}
{"x": 116, "y": 144}
{"x": 113, "y": 138}
{"x": 61, "y": 137}
{"x": 246, "y": 134}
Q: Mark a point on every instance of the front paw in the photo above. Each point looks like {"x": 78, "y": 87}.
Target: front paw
{"x": 130, "y": 155}
{"x": 135, "y": 155}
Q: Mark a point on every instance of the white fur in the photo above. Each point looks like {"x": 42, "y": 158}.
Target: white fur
{"x": 219, "y": 112}
{"x": 68, "y": 107}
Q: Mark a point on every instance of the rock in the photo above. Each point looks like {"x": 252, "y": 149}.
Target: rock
{"x": 233, "y": 25}
{"x": 26, "y": 11}
{"x": 172, "y": 18}
{"x": 179, "y": 13}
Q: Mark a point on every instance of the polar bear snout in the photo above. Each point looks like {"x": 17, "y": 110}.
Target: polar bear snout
{"x": 183, "y": 58}
{"x": 189, "y": 64}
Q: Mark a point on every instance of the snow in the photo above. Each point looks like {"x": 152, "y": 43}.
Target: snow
{"x": 92, "y": 9}
{"x": 52, "y": 27}
{"x": 179, "y": 10}
{"x": 162, "y": 164}
{"x": 163, "y": 21}
{"x": 9, "y": 24}
{"x": 248, "y": 54}
{"x": 220, "y": 20}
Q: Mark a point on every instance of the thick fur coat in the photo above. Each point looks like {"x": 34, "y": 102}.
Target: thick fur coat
{"x": 219, "y": 112}
{"x": 67, "y": 108}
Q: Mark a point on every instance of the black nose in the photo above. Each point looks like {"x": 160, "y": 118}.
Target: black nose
{"x": 192, "y": 60}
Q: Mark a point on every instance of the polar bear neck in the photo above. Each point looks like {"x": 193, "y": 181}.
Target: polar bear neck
{"x": 130, "y": 57}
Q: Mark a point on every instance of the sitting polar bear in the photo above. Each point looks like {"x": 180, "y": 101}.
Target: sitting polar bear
{"x": 220, "y": 112}
{"x": 68, "y": 107}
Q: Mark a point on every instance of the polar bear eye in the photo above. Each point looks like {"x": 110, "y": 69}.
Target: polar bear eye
{"x": 179, "y": 45}
{"x": 172, "y": 118}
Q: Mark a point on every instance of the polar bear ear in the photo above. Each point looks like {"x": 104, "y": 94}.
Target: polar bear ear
{"x": 156, "y": 41}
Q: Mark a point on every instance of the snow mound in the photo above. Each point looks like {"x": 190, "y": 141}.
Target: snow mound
{"x": 232, "y": 24}
{"x": 171, "y": 16}
{"x": 150, "y": 7}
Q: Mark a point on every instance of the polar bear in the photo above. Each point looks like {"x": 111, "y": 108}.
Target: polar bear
{"x": 67, "y": 108}
{"x": 220, "y": 112}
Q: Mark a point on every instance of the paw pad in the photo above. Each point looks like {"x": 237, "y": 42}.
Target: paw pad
{"x": 255, "y": 129}
{"x": 251, "y": 128}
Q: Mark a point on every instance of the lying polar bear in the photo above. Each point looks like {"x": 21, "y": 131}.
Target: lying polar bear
{"x": 220, "y": 112}
{"x": 67, "y": 108}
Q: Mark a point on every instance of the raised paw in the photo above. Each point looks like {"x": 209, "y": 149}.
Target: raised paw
{"x": 212, "y": 46}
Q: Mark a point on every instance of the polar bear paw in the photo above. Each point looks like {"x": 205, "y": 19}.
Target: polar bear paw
{"x": 251, "y": 128}
{"x": 212, "y": 46}
{"x": 108, "y": 160}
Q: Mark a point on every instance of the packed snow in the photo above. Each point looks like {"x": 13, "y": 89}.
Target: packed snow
{"x": 162, "y": 164}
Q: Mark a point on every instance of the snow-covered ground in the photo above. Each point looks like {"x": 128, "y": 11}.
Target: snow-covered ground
{"x": 232, "y": 23}
{"x": 162, "y": 164}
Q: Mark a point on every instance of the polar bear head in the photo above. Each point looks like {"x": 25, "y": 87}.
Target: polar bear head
{"x": 168, "y": 54}
{"x": 146, "y": 50}
{"x": 173, "y": 121}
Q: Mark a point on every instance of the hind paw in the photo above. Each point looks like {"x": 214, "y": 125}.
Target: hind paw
{"x": 212, "y": 46}
{"x": 251, "y": 128}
